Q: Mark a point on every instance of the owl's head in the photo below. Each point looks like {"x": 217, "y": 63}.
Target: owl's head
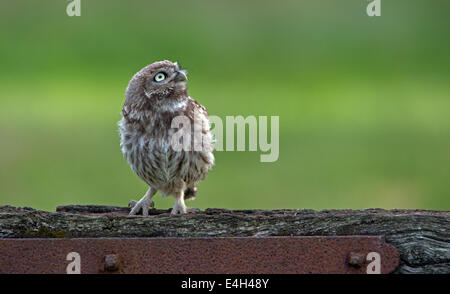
{"x": 157, "y": 82}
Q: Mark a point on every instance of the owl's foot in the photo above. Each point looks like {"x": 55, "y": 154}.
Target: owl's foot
{"x": 137, "y": 206}
{"x": 180, "y": 208}
{"x": 188, "y": 210}
{"x": 142, "y": 204}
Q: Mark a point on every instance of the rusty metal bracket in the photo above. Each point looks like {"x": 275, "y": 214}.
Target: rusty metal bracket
{"x": 227, "y": 255}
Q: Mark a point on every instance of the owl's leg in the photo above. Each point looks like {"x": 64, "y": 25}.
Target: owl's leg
{"x": 179, "y": 206}
{"x": 144, "y": 203}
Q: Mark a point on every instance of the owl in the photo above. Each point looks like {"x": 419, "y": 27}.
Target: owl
{"x": 155, "y": 97}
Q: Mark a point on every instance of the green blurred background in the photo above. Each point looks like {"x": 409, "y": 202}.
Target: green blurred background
{"x": 364, "y": 102}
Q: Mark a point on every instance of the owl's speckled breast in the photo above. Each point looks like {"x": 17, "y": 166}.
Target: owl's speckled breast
{"x": 153, "y": 159}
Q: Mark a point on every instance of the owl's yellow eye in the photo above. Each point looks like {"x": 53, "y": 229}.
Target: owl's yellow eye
{"x": 160, "y": 77}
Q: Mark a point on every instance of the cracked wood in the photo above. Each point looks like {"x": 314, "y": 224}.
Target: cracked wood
{"x": 422, "y": 237}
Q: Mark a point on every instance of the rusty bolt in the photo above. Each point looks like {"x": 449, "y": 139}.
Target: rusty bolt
{"x": 355, "y": 259}
{"x": 112, "y": 262}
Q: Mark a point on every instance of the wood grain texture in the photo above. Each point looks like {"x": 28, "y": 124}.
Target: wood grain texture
{"x": 422, "y": 237}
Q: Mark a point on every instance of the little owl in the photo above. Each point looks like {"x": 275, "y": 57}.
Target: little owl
{"x": 154, "y": 97}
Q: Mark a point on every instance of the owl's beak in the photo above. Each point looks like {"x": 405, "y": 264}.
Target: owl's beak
{"x": 181, "y": 76}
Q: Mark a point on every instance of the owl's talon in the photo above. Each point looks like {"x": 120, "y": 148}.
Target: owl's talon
{"x": 179, "y": 211}
{"x": 180, "y": 208}
{"x": 143, "y": 204}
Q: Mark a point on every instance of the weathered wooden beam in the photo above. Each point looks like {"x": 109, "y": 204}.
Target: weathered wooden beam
{"x": 422, "y": 237}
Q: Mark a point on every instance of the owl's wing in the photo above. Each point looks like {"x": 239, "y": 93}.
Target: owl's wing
{"x": 197, "y": 107}
{"x": 199, "y": 115}
{"x": 205, "y": 143}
